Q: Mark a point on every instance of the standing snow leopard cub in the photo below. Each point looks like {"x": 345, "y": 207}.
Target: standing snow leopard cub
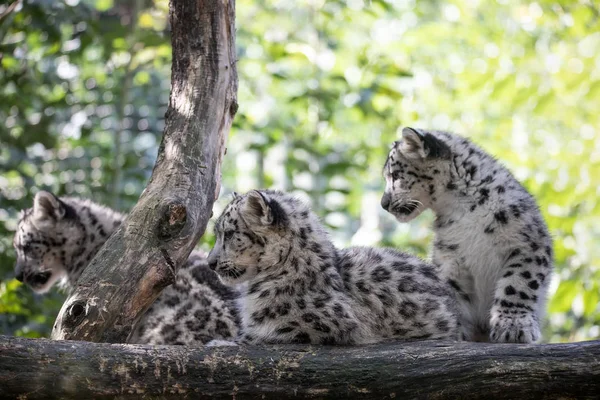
{"x": 491, "y": 241}
{"x": 296, "y": 287}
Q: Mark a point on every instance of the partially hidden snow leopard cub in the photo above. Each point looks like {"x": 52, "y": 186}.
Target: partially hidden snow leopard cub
{"x": 491, "y": 241}
{"x": 58, "y": 237}
{"x": 296, "y": 287}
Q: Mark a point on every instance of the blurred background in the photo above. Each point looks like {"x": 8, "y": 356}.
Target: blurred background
{"x": 324, "y": 88}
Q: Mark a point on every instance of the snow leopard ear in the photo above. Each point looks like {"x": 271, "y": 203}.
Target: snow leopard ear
{"x": 260, "y": 210}
{"x": 47, "y": 207}
{"x": 419, "y": 146}
{"x": 412, "y": 144}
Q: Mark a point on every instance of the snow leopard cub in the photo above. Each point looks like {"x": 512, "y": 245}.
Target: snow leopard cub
{"x": 491, "y": 241}
{"x": 296, "y": 287}
{"x": 57, "y": 238}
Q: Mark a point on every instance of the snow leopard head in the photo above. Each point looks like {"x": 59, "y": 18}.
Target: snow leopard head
{"x": 256, "y": 233}
{"x": 46, "y": 238}
{"x": 415, "y": 169}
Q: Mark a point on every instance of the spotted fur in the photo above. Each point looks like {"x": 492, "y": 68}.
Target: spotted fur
{"x": 491, "y": 241}
{"x": 58, "y": 237}
{"x": 296, "y": 287}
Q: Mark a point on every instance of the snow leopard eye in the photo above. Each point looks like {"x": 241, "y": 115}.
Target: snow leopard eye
{"x": 26, "y": 248}
{"x": 395, "y": 175}
{"x": 228, "y": 234}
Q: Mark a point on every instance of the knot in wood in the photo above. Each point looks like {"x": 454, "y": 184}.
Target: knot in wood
{"x": 172, "y": 221}
{"x": 76, "y": 313}
{"x": 233, "y": 108}
{"x": 177, "y": 214}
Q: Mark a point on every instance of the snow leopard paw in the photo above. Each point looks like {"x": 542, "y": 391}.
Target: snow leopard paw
{"x": 219, "y": 342}
{"x": 514, "y": 328}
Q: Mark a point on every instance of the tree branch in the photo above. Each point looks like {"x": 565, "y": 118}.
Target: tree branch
{"x": 140, "y": 259}
{"x": 429, "y": 369}
{"x": 10, "y": 8}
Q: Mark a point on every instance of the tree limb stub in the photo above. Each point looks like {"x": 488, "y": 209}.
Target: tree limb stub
{"x": 141, "y": 258}
{"x": 430, "y": 369}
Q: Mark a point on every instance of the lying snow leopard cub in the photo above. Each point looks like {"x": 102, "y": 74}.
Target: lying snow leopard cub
{"x": 57, "y": 238}
{"x": 490, "y": 238}
{"x": 296, "y": 287}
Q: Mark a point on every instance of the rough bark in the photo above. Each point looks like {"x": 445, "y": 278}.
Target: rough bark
{"x": 142, "y": 257}
{"x": 48, "y": 369}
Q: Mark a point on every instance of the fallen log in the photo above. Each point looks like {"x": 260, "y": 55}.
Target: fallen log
{"x": 36, "y": 369}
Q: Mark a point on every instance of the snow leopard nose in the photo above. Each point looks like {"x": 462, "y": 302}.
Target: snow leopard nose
{"x": 19, "y": 272}
{"x": 385, "y": 201}
{"x": 212, "y": 260}
{"x": 212, "y": 264}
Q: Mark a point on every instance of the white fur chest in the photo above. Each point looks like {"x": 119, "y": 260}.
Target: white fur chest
{"x": 471, "y": 258}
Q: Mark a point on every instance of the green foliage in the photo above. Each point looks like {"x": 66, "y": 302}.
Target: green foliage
{"x": 324, "y": 86}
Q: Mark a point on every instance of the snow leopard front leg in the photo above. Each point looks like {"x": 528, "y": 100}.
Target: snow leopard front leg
{"x": 520, "y": 295}
{"x": 461, "y": 282}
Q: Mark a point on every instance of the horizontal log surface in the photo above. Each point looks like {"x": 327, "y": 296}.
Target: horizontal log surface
{"x": 67, "y": 369}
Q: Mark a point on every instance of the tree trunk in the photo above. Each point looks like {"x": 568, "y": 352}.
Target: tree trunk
{"x": 143, "y": 256}
{"x": 431, "y": 369}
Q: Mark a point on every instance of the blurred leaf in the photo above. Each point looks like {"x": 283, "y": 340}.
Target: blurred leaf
{"x": 145, "y": 20}
{"x": 591, "y": 299}
{"x": 564, "y": 296}
{"x": 103, "y": 5}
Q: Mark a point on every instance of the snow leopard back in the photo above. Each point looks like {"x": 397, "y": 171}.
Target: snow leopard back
{"x": 400, "y": 295}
